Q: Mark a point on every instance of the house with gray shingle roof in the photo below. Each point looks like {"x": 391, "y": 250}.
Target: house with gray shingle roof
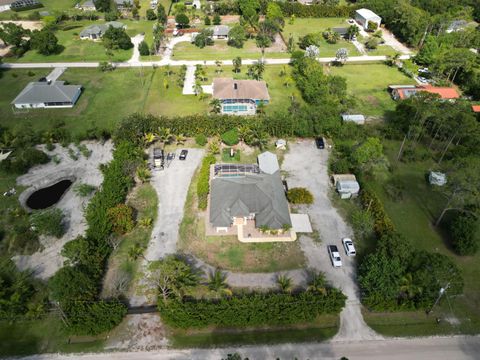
{"x": 255, "y": 195}
{"x": 96, "y": 31}
{"x": 47, "y": 95}
{"x": 240, "y": 97}
{"x": 221, "y": 32}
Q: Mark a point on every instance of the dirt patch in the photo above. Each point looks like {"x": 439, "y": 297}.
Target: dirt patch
{"x": 46, "y": 262}
{"x": 27, "y": 25}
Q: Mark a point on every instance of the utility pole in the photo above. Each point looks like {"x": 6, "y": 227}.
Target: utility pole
{"x": 440, "y": 294}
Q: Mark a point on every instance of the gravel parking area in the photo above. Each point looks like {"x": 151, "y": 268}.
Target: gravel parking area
{"x": 307, "y": 167}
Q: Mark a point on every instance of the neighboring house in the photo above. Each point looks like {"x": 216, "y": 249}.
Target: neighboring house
{"x": 5, "y": 5}
{"x": 123, "y": 4}
{"x": 195, "y": 4}
{"x": 346, "y": 185}
{"x": 25, "y": 4}
{"x": 456, "y": 25}
{"x": 404, "y": 92}
{"x": 476, "y": 108}
{"x": 87, "y": 6}
{"x": 96, "y": 31}
{"x": 240, "y": 97}
{"x": 47, "y": 95}
{"x": 357, "y": 119}
{"x": 220, "y": 32}
{"x": 365, "y": 16}
{"x": 242, "y": 196}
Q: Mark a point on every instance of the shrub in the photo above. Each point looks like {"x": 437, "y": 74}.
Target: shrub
{"x": 217, "y": 20}
{"x": 464, "y": 235}
{"x": 84, "y": 190}
{"x": 310, "y": 39}
{"x": 299, "y": 196}
{"x": 257, "y": 309}
{"x": 230, "y": 137}
{"x": 203, "y": 187}
{"x": 371, "y": 43}
{"x": 121, "y": 218}
{"x": 204, "y": 38}
{"x": 371, "y": 203}
{"x": 207, "y": 20}
{"x": 341, "y": 166}
{"x": 151, "y": 14}
{"x": 111, "y": 16}
{"x": 201, "y": 140}
{"x": 143, "y": 48}
{"x": 48, "y": 222}
{"x": 23, "y": 159}
{"x": 182, "y": 20}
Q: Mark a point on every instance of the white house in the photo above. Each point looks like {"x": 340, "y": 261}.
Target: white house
{"x": 365, "y": 16}
{"x": 45, "y": 94}
{"x": 5, "y": 5}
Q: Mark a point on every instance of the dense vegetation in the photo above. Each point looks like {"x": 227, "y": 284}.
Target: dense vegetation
{"x": 203, "y": 185}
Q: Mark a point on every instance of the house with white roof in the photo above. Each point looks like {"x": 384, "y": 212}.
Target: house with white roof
{"x": 366, "y": 16}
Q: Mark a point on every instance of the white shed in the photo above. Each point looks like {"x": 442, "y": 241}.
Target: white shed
{"x": 365, "y": 16}
{"x": 348, "y": 188}
{"x": 357, "y": 119}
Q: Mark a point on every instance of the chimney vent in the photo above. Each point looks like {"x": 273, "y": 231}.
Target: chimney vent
{"x": 235, "y": 86}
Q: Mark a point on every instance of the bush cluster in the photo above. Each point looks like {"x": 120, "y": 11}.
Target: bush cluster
{"x": 203, "y": 185}
{"x": 382, "y": 222}
{"x": 23, "y": 159}
{"x": 48, "y": 222}
{"x": 201, "y": 140}
{"x": 256, "y": 309}
{"x": 230, "y": 137}
{"x": 464, "y": 235}
{"x": 299, "y": 196}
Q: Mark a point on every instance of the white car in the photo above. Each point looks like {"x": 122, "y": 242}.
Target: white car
{"x": 348, "y": 246}
{"x": 422, "y": 79}
{"x": 334, "y": 255}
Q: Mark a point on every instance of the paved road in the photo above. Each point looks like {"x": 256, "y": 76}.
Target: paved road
{"x": 164, "y": 62}
{"x": 438, "y": 348}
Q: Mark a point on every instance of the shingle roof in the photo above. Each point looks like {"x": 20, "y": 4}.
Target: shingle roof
{"x": 221, "y": 30}
{"x": 99, "y": 29}
{"x": 6, "y": 2}
{"x": 239, "y": 196}
{"x": 43, "y": 92}
{"x": 228, "y": 88}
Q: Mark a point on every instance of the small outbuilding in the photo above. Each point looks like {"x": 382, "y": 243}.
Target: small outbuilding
{"x": 268, "y": 162}
{"x": 357, "y": 119}
{"x": 220, "y": 32}
{"x": 346, "y": 185}
{"x": 366, "y": 16}
{"x": 281, "y": 144}
{"x": 437, "y": 178}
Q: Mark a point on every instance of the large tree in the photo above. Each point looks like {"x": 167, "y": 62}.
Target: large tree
{"x": 103, "y": 5}
{"x": 237, "y": 36}
{"x": 12, "y": 34}
{"x": 116, "y": 38}
{"x": 44, "y": 41}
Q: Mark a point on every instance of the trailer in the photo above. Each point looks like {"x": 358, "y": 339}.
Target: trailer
{"x": 158, "y": 159}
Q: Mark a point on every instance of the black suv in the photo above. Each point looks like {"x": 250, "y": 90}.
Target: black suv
{"x": 183, "y": 155}
{"x": 320, "y": 143}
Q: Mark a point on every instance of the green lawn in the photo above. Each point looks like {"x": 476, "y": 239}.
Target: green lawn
{"x": 368, "y": 83}
{"x": 48, "y": 5}
{"x": 74, "y": 49}
{"x": 302, "y": 27}
{"x": 221, "y": 51}
{"x": 413, "y": 216}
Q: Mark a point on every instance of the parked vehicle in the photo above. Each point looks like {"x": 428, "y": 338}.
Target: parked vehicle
{"x": 158, "y": 158}
{"x": 320, "y": 143}
{"x": 334, "y": 255}
{"x": 183, "y": 154}
{"x": 348, "y": 246}
{"x": 422, "y": 79}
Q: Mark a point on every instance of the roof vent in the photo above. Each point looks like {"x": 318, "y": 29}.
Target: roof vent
{"x": 235, "y": 86}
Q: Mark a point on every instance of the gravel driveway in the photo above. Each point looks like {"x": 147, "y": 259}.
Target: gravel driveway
{"x": 307, "y": 167}
{"x": 171, "y": 186}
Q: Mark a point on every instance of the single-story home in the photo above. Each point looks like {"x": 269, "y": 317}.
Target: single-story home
{"x": 357, "y": 119}
{"x": 5, "y": 5}
{"x": 96, "y": 31}
{"x": 347, "y": 185}
{"x": 366, "y": 16}
{"x": 221, "y": 32}
{"x": 123, "y": 4}
{"x": 87, "y": 6}
{"x": 43, "y": 94}
{"x": 240, "y": 97}
{"x": 404, "y": 92}
{"x": 254, "y": 196}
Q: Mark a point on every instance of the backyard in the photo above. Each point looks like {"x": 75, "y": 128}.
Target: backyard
{"x": 221, "y": 51}
{"x": 368, "y": 83}
{"x": 302, "y": 27}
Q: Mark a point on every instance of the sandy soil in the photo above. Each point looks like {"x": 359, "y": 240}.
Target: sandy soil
{"x": 28, "y": 25}
{"x": 46, "y": 262}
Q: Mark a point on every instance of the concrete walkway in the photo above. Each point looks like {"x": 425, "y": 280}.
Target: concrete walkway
{"x": 55, "y": 74}
{"x": 189, "y": 83}
{"x": 136, "y": 40}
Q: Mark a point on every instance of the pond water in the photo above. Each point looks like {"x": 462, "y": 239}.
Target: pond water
{"x": 46, "y": 197}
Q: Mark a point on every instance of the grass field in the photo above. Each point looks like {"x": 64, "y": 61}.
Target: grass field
{"x": 302, "y": 27}
{"x": 221, "y": 51}
{"x": 110, "y": 96}
{"x": 413, "y": 216}
{"x": 368, "y": 84}
{"x": 48, "y": 5}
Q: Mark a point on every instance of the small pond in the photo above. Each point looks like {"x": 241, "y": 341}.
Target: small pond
{"x": 46, "y": 197}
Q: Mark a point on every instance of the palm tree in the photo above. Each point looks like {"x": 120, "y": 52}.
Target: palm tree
{"x": 317, "y": 283}
{"x": 218, "y": 63}
{"x": 284, "y": 283}
{"x": 261, "y": 107}
{"x": 216, "y": 106}
{"x": 180, "y": 139}
{"x": 243, "y": 132}
{"x": 143, "y": 174}
{"x": 352, "y": 31}
{"x": 165, "y": 136}
{"x": 408, "y": 287}
{"x": 217, "y": 280}
{"x": 149, "y": 138}
{"x": 135, "y": 252}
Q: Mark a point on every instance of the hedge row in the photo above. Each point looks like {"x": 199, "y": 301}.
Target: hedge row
{"x": 259, "y": 309}
{"x": 370, "y": 202}
{"x": 316, "y": 11}
{"x": 203, "y": 185}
